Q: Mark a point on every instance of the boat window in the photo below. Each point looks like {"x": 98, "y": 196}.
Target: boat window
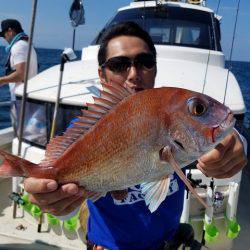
{"x": 170, "y": 25}
{"x": 34, "y": 123}
{"x": 38, "y": 120}
{"x": 65, "y": 115}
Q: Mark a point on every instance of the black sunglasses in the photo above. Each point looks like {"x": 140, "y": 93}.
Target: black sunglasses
{"x": 121, "y": 64}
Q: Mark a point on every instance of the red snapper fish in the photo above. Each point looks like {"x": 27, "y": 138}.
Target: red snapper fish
{"x": 126, "y": 138}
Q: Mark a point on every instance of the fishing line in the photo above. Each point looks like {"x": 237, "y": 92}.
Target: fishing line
{"x": 218, "y": 6}
{"x": 144, "y": 15}
{"x": 205, "y": 77}
{"x": 231, "y": 50}
{"x": 207, "y": 63}
{"x": 209, "y": 53}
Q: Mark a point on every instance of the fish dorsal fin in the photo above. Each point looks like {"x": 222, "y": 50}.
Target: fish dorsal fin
{"x": 110, "y": 96}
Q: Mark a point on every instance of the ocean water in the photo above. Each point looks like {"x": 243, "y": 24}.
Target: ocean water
{"x": 50, "y": 57}
{"x": 46, "y": 59}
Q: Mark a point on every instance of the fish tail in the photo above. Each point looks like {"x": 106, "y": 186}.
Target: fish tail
{"x": 14, "y": 166}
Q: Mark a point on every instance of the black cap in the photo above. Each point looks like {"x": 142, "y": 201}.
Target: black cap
{"x": 10, "y": 24}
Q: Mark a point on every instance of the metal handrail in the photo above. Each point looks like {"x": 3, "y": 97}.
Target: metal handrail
{"x": 26, "y": 77}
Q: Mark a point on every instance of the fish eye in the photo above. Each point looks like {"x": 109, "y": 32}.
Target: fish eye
{"x": 196, "y": 106}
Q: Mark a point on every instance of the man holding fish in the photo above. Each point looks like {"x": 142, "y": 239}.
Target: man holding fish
{"x": 121, "y": 219}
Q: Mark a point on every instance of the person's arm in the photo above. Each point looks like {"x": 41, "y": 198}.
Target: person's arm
{"x": 62, "y": 201}
{"x": 226, "y": 160}
{"x": 16, "y": 76}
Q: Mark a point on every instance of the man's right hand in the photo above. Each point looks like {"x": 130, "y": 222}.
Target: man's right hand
{"x": 55, "y": 199}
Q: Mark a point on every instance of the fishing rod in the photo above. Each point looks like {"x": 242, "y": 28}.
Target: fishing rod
{"x": 77, "y": 17}
{"x": 15, "y": 182}
{"x": 67, "y": 55}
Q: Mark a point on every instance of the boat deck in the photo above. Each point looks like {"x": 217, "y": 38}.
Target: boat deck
{"x": 21, "y": 233}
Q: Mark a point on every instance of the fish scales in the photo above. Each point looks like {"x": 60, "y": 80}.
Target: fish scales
{"x": 111, "y": 146}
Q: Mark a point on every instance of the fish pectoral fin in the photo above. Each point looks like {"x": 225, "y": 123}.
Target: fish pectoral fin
{"x": 119, "y": 194}
{"x": 155, "y": 192}
{"x": 167, "y": 155}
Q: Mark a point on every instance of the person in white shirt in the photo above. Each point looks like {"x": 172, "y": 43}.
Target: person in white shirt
{"x": 17, "y": 49}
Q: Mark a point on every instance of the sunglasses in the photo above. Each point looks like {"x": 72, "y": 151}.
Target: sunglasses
{"x": 120, "y": 64}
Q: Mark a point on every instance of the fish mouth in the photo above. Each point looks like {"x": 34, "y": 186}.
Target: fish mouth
{"x": 224, "y": 128}
{"x": 179, "y": 145}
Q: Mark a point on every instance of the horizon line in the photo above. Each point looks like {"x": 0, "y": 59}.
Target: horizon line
{"x": 80, "y": 50}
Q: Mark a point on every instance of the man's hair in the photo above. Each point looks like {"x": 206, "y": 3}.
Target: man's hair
{"x": 10, "y": 24}
{"x": 123, "y": 29}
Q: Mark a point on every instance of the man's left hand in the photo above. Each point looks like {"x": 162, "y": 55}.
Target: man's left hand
{"x": 225, "y": 160}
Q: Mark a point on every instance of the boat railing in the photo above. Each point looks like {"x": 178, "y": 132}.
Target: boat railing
{"x": 5, "y": 103}
{"x": 195, "y": 2}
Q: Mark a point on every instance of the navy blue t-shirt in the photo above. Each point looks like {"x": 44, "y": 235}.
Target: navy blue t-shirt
{"x": 128, "y": 224}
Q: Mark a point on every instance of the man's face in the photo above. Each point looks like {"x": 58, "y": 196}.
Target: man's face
{"x": 9, "y": 35}
{"x": 134, "y": 77}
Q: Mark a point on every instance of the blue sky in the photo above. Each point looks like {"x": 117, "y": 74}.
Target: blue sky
{"x": 53, "y": 29}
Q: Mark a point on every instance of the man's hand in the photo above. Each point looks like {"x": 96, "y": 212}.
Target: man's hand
{"x": 227, "y": 159}
{"x": 54, "y": 199}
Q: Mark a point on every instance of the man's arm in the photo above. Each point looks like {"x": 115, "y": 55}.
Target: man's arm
{"x": 16, "y": 76}
{"x": 227, "y": 159}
